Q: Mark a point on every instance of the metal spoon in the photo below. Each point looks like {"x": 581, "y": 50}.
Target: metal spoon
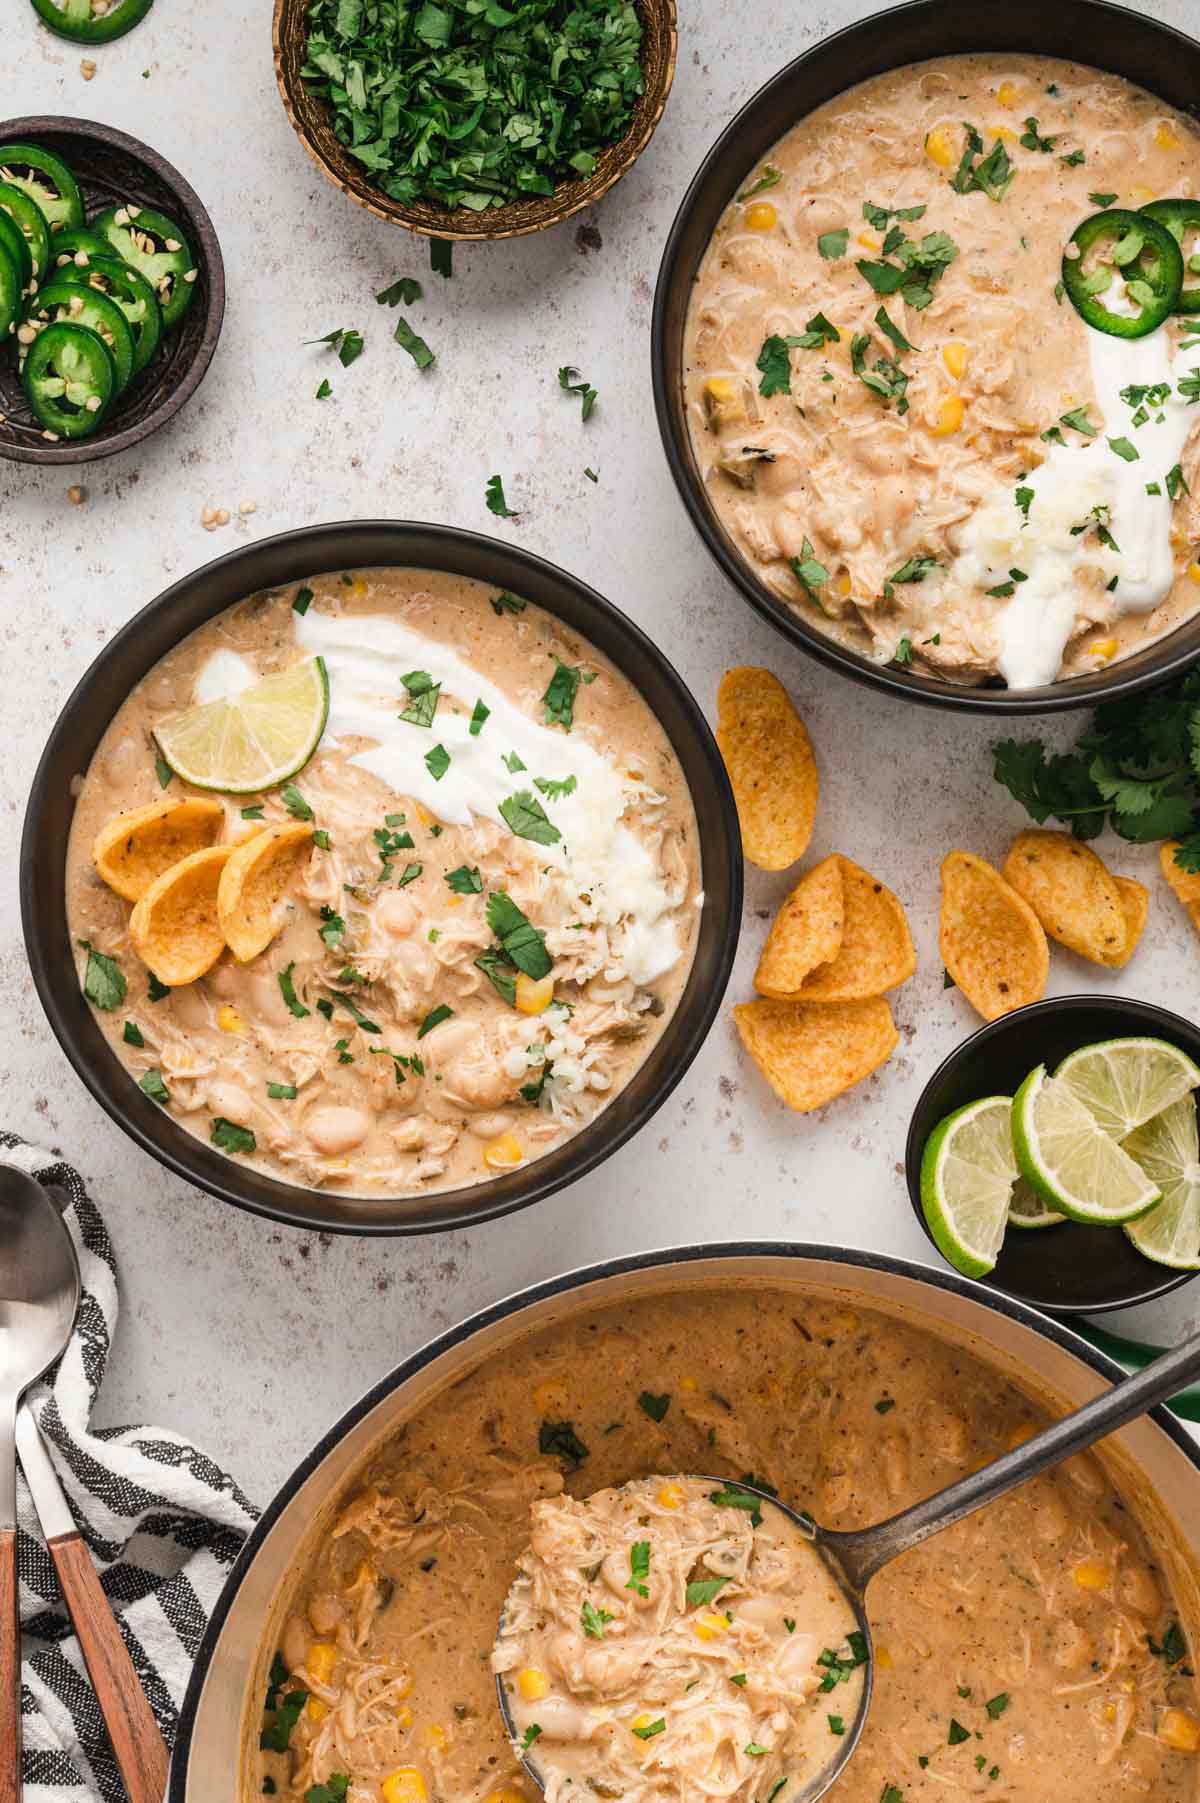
{"x": 852, "y": 1558}
{"x": 39, "y": 1294}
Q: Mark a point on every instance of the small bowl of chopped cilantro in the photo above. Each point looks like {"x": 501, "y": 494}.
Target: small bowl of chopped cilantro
{"x": 474, "y": 121}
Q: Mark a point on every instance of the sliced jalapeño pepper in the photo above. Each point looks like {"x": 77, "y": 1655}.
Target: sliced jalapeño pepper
{"x": 1181, "y": 216}
{"x": 91, "y": 21}
{"x": 28, "y": 216}
{"x": 13, "y": 240}
{"x": 131, "y": 292}
{"x": 11, "y": 298}
{"x": 155, "y": 246}
{"x": 1121, "y": 252}
{"x": 85, "y": 306}
{"x": 68, "y": 379}
{"x": 70, "y": 244}
{"x": 46, "y": 179}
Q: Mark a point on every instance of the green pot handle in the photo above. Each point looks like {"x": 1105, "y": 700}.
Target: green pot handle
{"x": 1136, "y": 1353}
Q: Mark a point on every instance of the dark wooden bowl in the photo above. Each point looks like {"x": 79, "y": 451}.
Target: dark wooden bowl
{"x": 311, "y": 121}
{"x": 112, "y": 167}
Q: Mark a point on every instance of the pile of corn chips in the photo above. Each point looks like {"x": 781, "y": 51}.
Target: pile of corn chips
{"x": 192, "y": 897}
{"x": 839, "y": 941}
{"x": 994, "y": 924}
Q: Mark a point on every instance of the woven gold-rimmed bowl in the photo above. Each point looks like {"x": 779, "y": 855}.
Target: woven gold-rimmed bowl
{"x": 313, "y": 125}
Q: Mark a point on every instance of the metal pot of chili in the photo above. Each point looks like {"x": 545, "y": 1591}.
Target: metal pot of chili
{"x": 1130, "y": 254}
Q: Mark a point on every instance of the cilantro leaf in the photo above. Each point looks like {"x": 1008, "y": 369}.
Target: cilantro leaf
{"x": 229, "y": 1137}
{"x": 103, "y": 979}
{"x": 558, "y": 703}
{"x": 153, "y": 1086}
{"x": 413, "y": 343}
{"x": 423, "y": 697}
{"x": 403, "y": 289}
{"x": 524, "y": 815}
{"x": 770, "y": 178}
{"x": 464, "y": 880}
{"x": 832, "y": 245}
{"x": 568, "y": 384}
{"x": 496, "y": 503}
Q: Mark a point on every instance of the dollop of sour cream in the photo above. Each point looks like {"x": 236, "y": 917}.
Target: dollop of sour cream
{"x": 611, "y": 872}
{"x": 1084, "y": 483}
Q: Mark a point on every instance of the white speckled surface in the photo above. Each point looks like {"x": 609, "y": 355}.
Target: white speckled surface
{"x": 218, "y": 1308}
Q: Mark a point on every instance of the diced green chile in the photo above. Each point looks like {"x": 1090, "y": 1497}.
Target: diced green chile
{"x": 74, "y": 19}
{"x": 28, "y": 216}
{"x": 16, "y": 244}
{"x": 81, "y": 305}
{"x": 10, "y": 294}
{"x": 1149, "y": 262}
{"x": 67, "y": 243}
{"x": 47, "y": 181}
{"x": 1181, "y": 216}
{"x": 173, "y": 266}
{"x": 132, "y": 293}
{"x": 69, "y": 380}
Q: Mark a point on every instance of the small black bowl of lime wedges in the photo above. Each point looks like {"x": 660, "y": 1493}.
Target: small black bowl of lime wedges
{"x": 1053, "y": 1155}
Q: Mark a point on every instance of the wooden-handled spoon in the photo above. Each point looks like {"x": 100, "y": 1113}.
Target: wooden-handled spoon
{"x": 39, "y": 1296}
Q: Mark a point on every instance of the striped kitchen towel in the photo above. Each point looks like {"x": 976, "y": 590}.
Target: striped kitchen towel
{"x": 164, "y": 1525}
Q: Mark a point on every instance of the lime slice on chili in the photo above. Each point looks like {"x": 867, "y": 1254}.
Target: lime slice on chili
{"x": 1131, "y": 258}
{"x": 967, "y": 1176}
{"x": 251, "y": 741}
{"x": 1070, "y": 1160}
{"x": 1168, "y": 1152}
{"x": 1181, "y": 216}
{"x": 1123, "y": 1082}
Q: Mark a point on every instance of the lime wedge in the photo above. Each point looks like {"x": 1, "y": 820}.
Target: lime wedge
{"x": 251, "y": 741}
{"x": 1166, "y": 1149}
{"x": 1123, "y": 1082}
{"x": 1028, "y": 1210}
{"x": 967, "y": 1174}
{"x": 1070, "y": 1161}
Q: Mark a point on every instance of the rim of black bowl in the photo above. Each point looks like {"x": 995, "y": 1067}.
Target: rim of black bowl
{"x": 34, "y": 126}
{"x": 1144, "y": 51}
{"x": 1066, "y": 1253}
{"x": 276, "y": 562}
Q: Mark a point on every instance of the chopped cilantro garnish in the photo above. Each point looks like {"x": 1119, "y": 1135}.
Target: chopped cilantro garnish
{"x": 232, "y": 1138}
{"x": 464, "y": 880}
{"x": 1078, "y": 420}
{"x": 1102, "y": 200}
{"x": 355, "y": 1012}
{"x": 1023, "y": 498}
{"x": 809, "y": 572}
{"x": 132, "y": 1034}
{"x": 558, "y": 702}
{"x": 654, "y": 1406}
{"x": 704, "y": 1590}
{"x": 957, "y": 1733}
{"x": 295, "y": 803}
{"x": 1032, "y": 139}
{"x": 554, "y": 790}
{"x": 493, "y": 494}
{"x": 423, "y": 697}
{"x": 651, "y": 1729}
{"x": 324, "y": 390}
{"x": 832, "y": 245}
{"x": 733, "y": 1498}
{"x": 404, "y": 288}
{"x": 836, "y": 1724}
{"x": 437, "y": 762}
{"x": 413, "y": 343}
{"x": 530, "y": 1735}
{"x": 154, "y": 1087}
{"x": 524, "y": 815}
{"x": 1121, "y": 447}
{"x": 569, "y": 385}
{"x": 303, "y": 601}
{"x": 770, "y": 178}
{"x": 996, "y": 1705}
{"x": 479, "y": 714}
{"x": 103, "y": 979}
{"x": 282, "y": 1092}
{"x": 639, "y": 1567}
{"x": 991, "y": 174}
{"x": 504, "y": 603}
{"x": 433, "y": 1019}
{"x": 559, "y": 1439}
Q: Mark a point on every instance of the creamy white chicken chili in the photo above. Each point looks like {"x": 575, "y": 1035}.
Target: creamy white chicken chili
{"x": 901, "y": 419}
{"x": 673, "y": 1634}
{"x": 484, "y": 911}
{"x": 1037, "y": 1650}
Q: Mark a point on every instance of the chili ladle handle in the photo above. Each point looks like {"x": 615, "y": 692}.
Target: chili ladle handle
{"x": 862, "y": 1552}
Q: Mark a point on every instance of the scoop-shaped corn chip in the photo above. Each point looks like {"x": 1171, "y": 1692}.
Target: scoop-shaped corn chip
{"x": 876, "y": 952}
{"x": 1185, "y": 883}
{"x": 1135, "y": 905}
{"x": 1071, "y": 891}
{"x": 769, "y": 757}
{"x": 811, "y": 1054}
{"x": 174, "y": 928}
{"x": 807, "y": 930}
{"x": 992, "y": 942}
{"x": 254, "y": 883}
{"x": 135, "y": 848}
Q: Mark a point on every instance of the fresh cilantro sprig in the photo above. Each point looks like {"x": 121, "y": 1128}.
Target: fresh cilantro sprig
{"x": 1137, "y": 767}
